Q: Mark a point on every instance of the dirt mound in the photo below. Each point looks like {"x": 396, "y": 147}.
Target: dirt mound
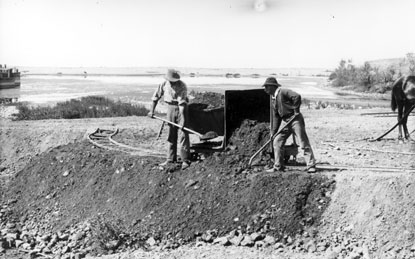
{"x": 249, "y": 138}
{"x": 78, "y": 182}
{"x": 211, "y": 99}
{"x": 64, "y": 183}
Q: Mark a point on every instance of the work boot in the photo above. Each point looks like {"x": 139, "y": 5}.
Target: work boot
{"x": 166, "y": 163}
{"x": 185, "y": 165}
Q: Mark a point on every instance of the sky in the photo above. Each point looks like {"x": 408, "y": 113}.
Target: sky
{"x": 204, "y": 33}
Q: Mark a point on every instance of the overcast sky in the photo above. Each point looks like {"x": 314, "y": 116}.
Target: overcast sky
{"x": 208, "y": 33}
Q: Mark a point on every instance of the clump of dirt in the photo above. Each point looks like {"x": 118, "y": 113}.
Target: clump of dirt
{"x": 210, "y": 99}
{"x": 76, "y": 182}
{"x": 249, "y": 138}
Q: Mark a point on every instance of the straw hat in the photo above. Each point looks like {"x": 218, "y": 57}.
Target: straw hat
{"x": 172, "y": 75}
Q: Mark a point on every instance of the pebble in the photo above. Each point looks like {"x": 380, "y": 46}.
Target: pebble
{"x": 270, "y": 240}
{"x": 11, "y": 237}
{"x": 221, "y": 241}
{"x": 247, "y": 241}
{"x": 65, "y": 249}
{"x": 260, "y": 244}
{"x": 26, "y": 246}
{"x": 207, "y": 237}
{"x": 18, "y": 243}
{"x": 236, "y": 240}
{"x": 256, "y": 237}
{"x": 10, "y": 225}
{"x": 151, "y": 241}
{"x": 278, "y": 245}
{"x": 311, "y": 246}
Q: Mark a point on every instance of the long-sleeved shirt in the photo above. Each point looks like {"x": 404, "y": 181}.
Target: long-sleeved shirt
{"x": 285, "y": 103}
{"x": 176, "y": 93}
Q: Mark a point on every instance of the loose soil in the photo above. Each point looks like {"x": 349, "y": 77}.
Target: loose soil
{"x": 53, "y": 179}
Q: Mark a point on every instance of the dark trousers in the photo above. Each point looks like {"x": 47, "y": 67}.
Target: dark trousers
{"x": 175, "y": 134}
{"x": 297, "y": 127}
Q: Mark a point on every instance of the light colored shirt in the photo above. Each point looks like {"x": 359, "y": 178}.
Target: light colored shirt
{"x": 276, "y": 93}
{"x": 171, "y": 93}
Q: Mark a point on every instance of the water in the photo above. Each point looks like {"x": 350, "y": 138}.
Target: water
{"x": 49, "y": 88}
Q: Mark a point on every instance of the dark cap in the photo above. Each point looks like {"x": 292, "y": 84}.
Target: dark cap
{"x": 271, "y": 81}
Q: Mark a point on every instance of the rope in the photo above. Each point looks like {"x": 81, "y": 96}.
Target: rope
{"x": 118, "y": 146}
{"x": 130, "y": 147}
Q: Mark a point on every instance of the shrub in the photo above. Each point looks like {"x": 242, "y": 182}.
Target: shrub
{"x": 368, "y": 78}
{"x": 363, "y": 78}
{"x": 86, "y": 107}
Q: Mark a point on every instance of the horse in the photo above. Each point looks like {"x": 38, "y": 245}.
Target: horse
{"x": 403, "y": 98}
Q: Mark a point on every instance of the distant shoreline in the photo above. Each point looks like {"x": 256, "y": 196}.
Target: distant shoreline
{"x": 161, "y": 75}
{"x": 160, "y": 71}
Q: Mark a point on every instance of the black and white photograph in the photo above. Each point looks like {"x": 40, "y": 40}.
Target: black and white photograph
{"x": 229, "y": 129}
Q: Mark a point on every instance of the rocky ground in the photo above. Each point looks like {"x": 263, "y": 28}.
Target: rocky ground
{"x": 63, "y": 197}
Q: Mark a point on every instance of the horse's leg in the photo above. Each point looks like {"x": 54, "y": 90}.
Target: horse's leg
{"x": 400, "y": 114}
{"x": 405, "y": 120}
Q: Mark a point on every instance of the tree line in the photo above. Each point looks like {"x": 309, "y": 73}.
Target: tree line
{"x": 370, "y": 78}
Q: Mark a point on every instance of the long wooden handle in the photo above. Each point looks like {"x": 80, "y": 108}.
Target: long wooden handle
{"x": 178, "y": 126}
{"x": 161, "y": 130}
{"x": 273, "y": 136}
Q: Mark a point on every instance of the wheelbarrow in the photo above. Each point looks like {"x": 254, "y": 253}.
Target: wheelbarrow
{"x": 203, "y": 137}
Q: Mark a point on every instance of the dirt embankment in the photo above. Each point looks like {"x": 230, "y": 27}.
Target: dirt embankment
{"x": 66, "y": 182}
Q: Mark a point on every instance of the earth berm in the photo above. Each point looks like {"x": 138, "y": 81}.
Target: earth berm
{"x": 63, "y": 197}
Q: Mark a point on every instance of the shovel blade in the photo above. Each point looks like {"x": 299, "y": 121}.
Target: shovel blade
{"x": 209, "y": 135}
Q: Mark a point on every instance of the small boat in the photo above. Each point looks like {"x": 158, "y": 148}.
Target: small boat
{"x": 9, "y": 77}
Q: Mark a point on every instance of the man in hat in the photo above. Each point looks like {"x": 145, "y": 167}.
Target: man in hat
{"x": 175, "y": 96}
{"x": 286, "y": 104}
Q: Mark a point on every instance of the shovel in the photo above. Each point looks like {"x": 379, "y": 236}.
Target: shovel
{"x": 161, "y": 130}
{"x": 271, "y": 139}
{"x": 206, "y": 136}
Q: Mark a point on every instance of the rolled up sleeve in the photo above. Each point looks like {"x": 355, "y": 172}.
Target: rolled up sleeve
{"x": 158, "y": 93}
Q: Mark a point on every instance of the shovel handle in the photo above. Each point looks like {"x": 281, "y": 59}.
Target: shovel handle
{"x": 161, "y": 130}
{"x": 178, "y": 126}
{"x": 271, "y": 139}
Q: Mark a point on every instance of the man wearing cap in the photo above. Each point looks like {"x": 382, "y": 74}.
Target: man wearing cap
{"x": 175, "y": 96}
{"x": 286, "y": 104}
